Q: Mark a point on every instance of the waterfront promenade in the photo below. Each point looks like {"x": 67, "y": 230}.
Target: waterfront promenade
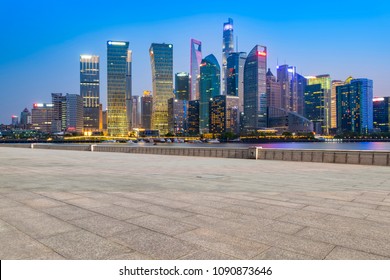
{"x": 58, "y": 204}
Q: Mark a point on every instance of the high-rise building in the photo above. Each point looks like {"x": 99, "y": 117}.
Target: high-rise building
{"x": 235, "y": 76}
{"x": 193, "y": 117}
{"x": 227, "y": 48}
{"x": 333, "y": 104}
{"x": 161, "y": 60}
{"x": 90, "y": 91}
{"x": 255, "y": 96}
{"x": 301, "y": 80}
{"x": 182, "y": 86}
{"x": 25, "y": 117}
{"x": 177, "y": 116}
{"x": 355, "y": 106}
{"x": 74, "y": 113}
{"x": 196, "y": 59}
{"x": 288, "y": 80}
{"x": 209, "y": 87}
{"x": 146, "y": 110}
{"x": 41, "y": 117}
{"x": 136, "y": 111}
{"x": 274, "y": 98}
{"x": 117, "y": 88}
{"x": 59, "y": 112}
{"x": 382, "y": 114}
{"x": 224, "y": 114}
{"x": 318, "y": 102}
{"x": 14, "y": 120}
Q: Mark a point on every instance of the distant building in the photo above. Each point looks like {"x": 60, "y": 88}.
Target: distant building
{"x": 136, "y": 111}
{"x": 41, "y": 117}
{"x": 25, "y": 117}
{"x": 117, "y": 87}
{"x": 177, "y": 116}
{"x": 146, "y": 110}
{"x": 14, "y": 120}
{"x": 318, "y": 103}
{"x": 90, "y": 92}
{"x": 333, "y": 104}
{"x": 196, "y": 59}
{"x": 104, "y": 121}
{"x": 182, "y": 86}
{"x": 255, "y": 90}
{"x": 301, "y": 86}
{"x": 59, "y": 112}
{"x": 381, "y": 114}
{"x": 161, "y": 59}
{"x": 284, "y": 121}
{"x": 74, "y": 113}
{"x": 235, "y": 77}
{"x": 193, "y": 117}
{"x": 227, "y": 48}
{"x": 288, "y": 80}
{"x": 274, "y": 98}
{"x": 224, "y": 114}
{"x": 209, "y": 88}
{"x": 355, "y": 106}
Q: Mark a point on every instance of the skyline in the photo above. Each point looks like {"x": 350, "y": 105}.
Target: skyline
{"x": 34, "y": 51}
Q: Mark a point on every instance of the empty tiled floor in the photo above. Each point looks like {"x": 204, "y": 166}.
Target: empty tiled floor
{"x": 84, "y": 205}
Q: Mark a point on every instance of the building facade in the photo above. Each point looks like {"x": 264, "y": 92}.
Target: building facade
{"x": 193, "y": 117}
{"x": 146, "y": 110}
{"x": 235, "y": 76}
{"x": 196, "y": 60}
{"x": 25, "y": 117}
{"x": 227, "y": 48}
{"x": 42, "y": 116}
{"x": 355, "y": 106}
{"x": 209, "y": 88}
{"x": 59, "y": 112}
{"x": 288, "y": 80}
{"x": 224, "y": 114}
{"x": 255, "y": 90}
{"x": 182, "y": 86}
{"x": 117, "y": 60}
{"x": 161, "y": 60}
{"x": 90, "y": 92}
{"x": 74, "y": 113}
{"x": 274, "y": 98}
{"x": 178, "y": 116}
{"x": 381, "y": 113}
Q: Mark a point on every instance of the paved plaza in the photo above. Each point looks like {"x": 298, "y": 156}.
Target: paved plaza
{"x": 93, "y": 205}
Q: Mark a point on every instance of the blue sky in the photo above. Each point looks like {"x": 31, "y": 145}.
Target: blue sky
{"x": 41, "y": 40}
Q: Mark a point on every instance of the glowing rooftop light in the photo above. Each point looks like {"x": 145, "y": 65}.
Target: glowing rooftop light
{"x": 261, "y": 53}
{"x": 228, "y": 27}
{"x": 85, "y": 56}
{"x": 378, "y": 99}
{"x": 114, "y": 43}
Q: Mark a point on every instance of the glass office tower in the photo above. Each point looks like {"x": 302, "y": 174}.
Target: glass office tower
{"x": 235, "y": 77}
{"x": 117, "y": 53}
{"x": 227, "y": 48}
{"x": 161, "y": 60}
{"x": 182, "y": 86}
{"x": 196, "y": 59}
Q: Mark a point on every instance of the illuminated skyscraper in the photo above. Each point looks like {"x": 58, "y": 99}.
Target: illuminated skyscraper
{"x": 131, "y": 122}
{"x": 177, "y": 116}
{"x": 255, "y": 97}
{"x": 333, "y": 104}
{"x": 235, "y": 77}
{"x": 42, "y": 116}
{"x": 196, "y": 59}
{"x": 224, "y": 114}
{"x": 182, "y": 83}
{"x": 193, "y": 117}
{"x": 161, "y": 60}
{"x": 90, "y": 91}
{"x": 382, "y": 114}
{"x": 287, "y": 78}
{"x": 318, "y": 102}
{"x": 146, "y": 110}
{"x": 209, "y": 87}
{"x": 117, "y": 66}
{"x": 354, "y": 106}
{"x": 227, "y": 48}
{"x": 273, "y": 91}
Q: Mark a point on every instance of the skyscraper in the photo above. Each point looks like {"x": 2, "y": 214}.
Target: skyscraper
{"x": 209, "y": 88}
{"x": 318, "y": 102}
{"x": 161, "y": 60}
{"x": 59, "y": 112}
{"x": 301, "y": 80}
{"x": 25, "y": 117}
{"x": 193, "y": 117}
{"x": 255, "y": 97}
{"x": 146, "y": 110}
{"x": 135, "y": 111}
{"x": 74, "y": 113}
{"x": 287, "y": 78}
{"x": 129, "y": 99}
{"x": 196, "y": 59}
{"x": 224, "y": 114}
{"x": 235, "y": 77}
{"x": 177, "y": 116}
{"x": 333, "y": 104}
{"x": 90, "y": 91}
{"x": 182, "y": 86}
{"x": 227, "y": 48}
{"x": 382, "y": 114}
{"x": 354, "y": 106}
{"x": 117, "y": 67}
{"x": 42, "y": 116}
{"x": 273, "y": 91}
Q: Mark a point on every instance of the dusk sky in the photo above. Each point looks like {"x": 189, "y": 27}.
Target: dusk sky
{"x": 41, "y": 41}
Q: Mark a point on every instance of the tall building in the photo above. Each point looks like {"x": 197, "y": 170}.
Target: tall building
{"x": 301, "y": 80}
{"x": 146, "y": 110}
{"x": 161, "y": 60}
{"x": 129, "y": 98}
{"x": 288, "y": 80}
{"x": 41, "y": 117}
{"x": 255, "y": 96}
{"x": 90, "y": 92}
{"x": 59, "y": 112}
{"x": 381, "y": 114}
{"x": 235, "y": 76}
{"x": 274, "y": 98}
{"x": 14, "y": 120}
{"x": 74, "y": 113}
{"x": 355, "y": 106}
{"x": 227, "y": 48}
{"x": 182, "y": 86}
{"x": 177, "y": 116}
{"x": 135, "y": 111}
{"x": 196, "y": 59}
{"x": 333, "y": 104}
{"x": 193, "y": 117}
{"x": 318, "y": 102}
{"x": 117, "y": 67}
{"x": 209, "y": 88}
{"x": 224, "y": 114}
{"x": 25, "y": 117}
